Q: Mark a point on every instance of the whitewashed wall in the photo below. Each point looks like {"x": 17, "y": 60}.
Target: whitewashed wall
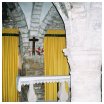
{"x": 83, "y": 33}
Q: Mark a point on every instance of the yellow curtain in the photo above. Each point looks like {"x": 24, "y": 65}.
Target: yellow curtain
{"x": 9, "y": 68}
{"x": 55, "y": 63}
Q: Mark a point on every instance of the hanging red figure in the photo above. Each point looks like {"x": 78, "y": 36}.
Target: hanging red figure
{"x": 39, "y": 51}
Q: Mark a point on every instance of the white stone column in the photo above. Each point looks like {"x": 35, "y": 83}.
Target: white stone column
{"x": 31, "y": 93}
{"x": 62, "y": 94}
{"x": 83, "y": 27}
{"x": 84, "y": 51}
{"x": 85, "y": 75}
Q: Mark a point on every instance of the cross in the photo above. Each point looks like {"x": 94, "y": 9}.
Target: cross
{"x": 33, "y": 47}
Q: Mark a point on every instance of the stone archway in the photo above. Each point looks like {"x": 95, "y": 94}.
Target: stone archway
{"x": 83, "y": 32}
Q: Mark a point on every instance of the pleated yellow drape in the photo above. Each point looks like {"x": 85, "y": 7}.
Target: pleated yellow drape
{"x": 55, "y": 63}
{"x": 9, "y": 68}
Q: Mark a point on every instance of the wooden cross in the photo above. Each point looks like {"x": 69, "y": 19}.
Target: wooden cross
{"x": 33, "y": 47}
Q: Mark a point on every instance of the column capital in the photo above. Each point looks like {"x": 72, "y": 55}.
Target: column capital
{"x": 77, "y": 51}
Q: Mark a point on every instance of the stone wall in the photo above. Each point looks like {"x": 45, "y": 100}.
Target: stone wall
{"x": 30, "y": 68}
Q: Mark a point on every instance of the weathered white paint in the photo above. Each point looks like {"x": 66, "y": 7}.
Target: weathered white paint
{"x": 62, "y": 94}
{"x": 83, "y": 33}
{"x": 26, "y": 80}
{"x": 85, "y": 75}
{"x": 31, "y": 95}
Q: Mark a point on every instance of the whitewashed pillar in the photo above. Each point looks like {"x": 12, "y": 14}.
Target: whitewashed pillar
{"x": 62, "y": 94}
{"x": 83, "y": 27}
{"x": 31, "y": 93}
{"x": 85, "y": 75}
{"x": 84, "y": 51}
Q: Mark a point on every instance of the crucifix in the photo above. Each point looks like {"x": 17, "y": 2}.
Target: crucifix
{"x": 33, "y": 47}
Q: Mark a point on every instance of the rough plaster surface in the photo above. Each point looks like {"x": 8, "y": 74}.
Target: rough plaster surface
{"x": 83, "y": 33}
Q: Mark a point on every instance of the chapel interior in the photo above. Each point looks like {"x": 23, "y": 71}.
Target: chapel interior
{"x": 51, "y": 52}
